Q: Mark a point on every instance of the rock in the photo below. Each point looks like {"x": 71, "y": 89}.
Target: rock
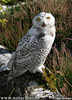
{"x": 28, "y": 86}
{"x": 5, "y": 56}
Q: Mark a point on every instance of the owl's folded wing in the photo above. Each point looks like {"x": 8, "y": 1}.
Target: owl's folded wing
{"x": 24, "y": 56}
{"x": 26, "y": 47}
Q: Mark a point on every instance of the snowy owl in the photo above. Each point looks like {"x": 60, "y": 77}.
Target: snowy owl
{"x": 34, "y": 47}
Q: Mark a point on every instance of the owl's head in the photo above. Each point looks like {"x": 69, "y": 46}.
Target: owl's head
{"x": 43, "y": 20}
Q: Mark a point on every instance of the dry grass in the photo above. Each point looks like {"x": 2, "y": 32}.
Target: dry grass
{"x": 20, "y": 20}
{"x": 60, "y": 63}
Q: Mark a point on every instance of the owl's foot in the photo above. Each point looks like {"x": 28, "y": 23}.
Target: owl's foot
{"x": 39, "y": 69}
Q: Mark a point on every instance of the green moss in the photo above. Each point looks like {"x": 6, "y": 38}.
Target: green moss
{"x": 47, "y": 80}
{"x": 11, "y": 92}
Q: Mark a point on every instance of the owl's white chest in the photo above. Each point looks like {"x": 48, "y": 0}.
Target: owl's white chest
{"x": 41, "y": 42}
{"x": 49, "y": 37}
{"x": 48, "y": 41}
{"x": 45, "y": 41}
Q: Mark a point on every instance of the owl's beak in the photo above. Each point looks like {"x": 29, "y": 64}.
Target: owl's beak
{"x": 43, "y": 25}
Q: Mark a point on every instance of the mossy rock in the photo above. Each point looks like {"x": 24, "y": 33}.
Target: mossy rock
{"x": 27, "y": 84}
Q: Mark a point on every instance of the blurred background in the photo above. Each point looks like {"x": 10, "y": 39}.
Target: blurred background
{"x": 16, "y": 19}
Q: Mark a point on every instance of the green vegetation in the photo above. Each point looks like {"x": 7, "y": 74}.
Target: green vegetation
{"x": 59, "y": 61}
{"x": 10, "y": 2}
{"x": 50, "y": 79}
{"x": 3, "y": 21}
{"x": 62, "y": 65}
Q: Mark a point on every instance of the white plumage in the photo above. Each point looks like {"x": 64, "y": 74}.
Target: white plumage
{"x": 34, "y": 47}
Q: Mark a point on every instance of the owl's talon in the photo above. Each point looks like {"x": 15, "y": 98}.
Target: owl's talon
{"x": 39, "y": 69}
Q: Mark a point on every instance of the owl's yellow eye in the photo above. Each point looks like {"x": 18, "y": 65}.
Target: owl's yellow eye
{"x": 38, "y": 19}
{"x": 47, "y": 17}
